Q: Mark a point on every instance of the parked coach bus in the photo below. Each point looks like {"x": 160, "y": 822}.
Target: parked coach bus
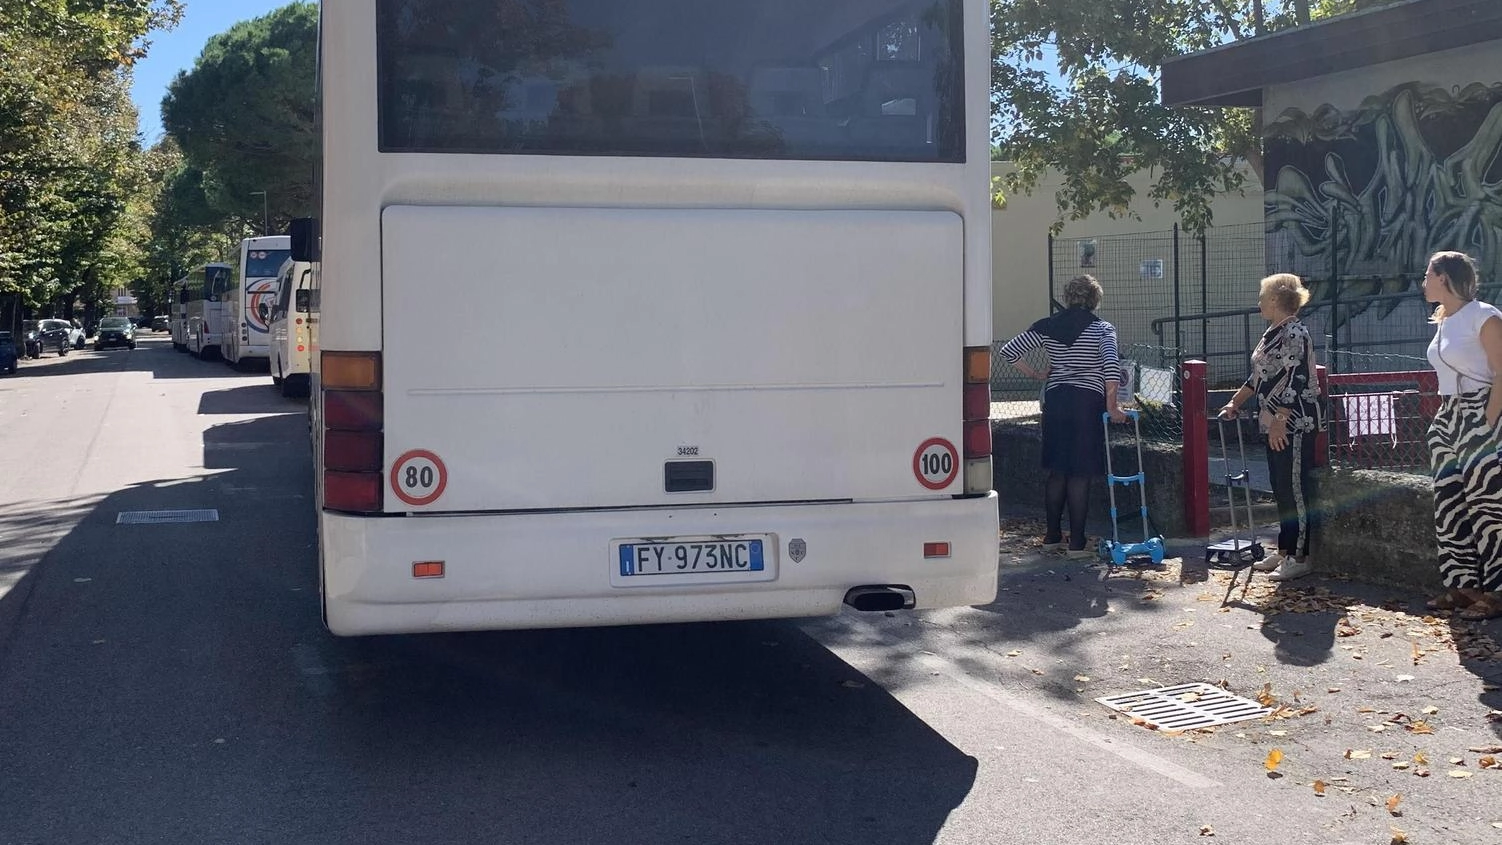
{"x": 201, "y": 296}
{"x": 651, "y": 311}
{"x": 247, "y": 309}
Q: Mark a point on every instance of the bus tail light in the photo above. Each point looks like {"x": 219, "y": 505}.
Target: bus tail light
{"x": 353, "y": 420}
{"x": 977, "y": 420}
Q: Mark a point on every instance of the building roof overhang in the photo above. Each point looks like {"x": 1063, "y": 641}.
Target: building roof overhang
{"x": 1236, "y": 74}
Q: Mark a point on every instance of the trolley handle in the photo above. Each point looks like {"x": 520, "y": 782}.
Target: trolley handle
{"x": 1131, "y": 412}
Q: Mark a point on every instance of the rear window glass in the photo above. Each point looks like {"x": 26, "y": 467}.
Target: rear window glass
{"x": 114, "y": 323}
{"x": 864, "y": 80}
{"x": 265, "y": 263}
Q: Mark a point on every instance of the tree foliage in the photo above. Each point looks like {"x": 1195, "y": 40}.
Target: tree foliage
{"x": 1098, "y": 119}
{"x": 69, "y": 156}
{"x": 244, "y": 120}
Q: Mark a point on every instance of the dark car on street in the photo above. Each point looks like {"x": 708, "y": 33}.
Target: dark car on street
{"x": 8, "y": 354}
{"x": 42, "y": 335}
{"x": 160, "y": 323}
{"x": 115, "y": 331}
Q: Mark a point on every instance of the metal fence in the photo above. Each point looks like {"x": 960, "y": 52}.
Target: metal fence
{"x": 1148, "y": 387}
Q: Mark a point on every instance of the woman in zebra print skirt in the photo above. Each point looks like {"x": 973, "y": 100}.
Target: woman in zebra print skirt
{"x": 1291, "y": 417}
{"x": 1463, "y": 439}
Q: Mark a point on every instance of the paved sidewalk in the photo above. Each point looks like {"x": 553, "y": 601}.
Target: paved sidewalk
{"x": 1394, "y": 714}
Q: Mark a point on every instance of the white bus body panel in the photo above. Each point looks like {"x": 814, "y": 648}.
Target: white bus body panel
{"x": 556, "y": 358}
{"x": 552, "y": 570}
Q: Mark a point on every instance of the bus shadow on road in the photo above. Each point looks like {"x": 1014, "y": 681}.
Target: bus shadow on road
{"x": 195, "y": 651}
{"x": 259, "y": 398}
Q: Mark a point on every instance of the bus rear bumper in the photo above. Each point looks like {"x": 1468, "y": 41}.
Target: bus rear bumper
{"x": 505, "y": 571}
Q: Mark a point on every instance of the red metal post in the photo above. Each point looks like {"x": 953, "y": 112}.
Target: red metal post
{"x": 1322, "y": 439}
{"x": 1194, "y": 376}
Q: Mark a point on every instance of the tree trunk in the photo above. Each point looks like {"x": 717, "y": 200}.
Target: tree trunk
{"x": 1301, "y": 11}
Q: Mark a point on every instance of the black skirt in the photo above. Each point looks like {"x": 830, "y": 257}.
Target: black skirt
{"x": 1073, "y": 431}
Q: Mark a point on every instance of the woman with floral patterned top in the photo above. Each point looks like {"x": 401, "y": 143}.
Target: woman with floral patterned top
{"x": 1284, "y": 380}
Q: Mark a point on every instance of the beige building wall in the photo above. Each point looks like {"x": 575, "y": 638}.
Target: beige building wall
{"x": 1020, "y": 255}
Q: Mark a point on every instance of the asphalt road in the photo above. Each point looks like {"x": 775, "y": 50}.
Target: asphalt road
{"x": 173, "y": 683}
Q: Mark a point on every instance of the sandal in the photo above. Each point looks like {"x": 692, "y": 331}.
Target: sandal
{"x": 1486, "y": 607}
{"x": 1450, "y": 600}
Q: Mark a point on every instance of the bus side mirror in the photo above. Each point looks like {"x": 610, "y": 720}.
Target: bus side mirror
{"x": 304, "y": 234}
{"x": 302, "y": 300}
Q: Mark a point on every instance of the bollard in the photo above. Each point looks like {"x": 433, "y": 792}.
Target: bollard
{"x": 1193, "y": 378}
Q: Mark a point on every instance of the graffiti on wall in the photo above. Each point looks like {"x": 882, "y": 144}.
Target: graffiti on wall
{"x": 1370, "y": 194}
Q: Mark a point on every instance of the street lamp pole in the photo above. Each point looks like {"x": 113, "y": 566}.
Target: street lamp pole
{"x": 265, "y": 217}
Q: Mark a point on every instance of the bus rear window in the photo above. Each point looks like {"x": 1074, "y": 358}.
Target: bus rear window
{"x": 858, "y": 80}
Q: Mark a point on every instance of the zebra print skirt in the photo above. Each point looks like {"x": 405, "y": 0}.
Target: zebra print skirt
{"x": 1467, "y": 493}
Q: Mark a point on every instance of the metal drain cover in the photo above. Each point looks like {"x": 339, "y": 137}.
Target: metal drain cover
{"x": 164, "y": 517}
{"x": 1185, "y": 706}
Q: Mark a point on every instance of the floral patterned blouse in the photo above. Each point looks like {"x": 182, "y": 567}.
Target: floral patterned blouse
{"x": 1283, "y": 377}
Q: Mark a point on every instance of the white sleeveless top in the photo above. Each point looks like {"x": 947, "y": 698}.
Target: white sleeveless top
{"x": 1456, "y": 352}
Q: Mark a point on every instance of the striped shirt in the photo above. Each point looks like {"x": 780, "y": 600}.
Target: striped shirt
{"x": 1086, "y": 363}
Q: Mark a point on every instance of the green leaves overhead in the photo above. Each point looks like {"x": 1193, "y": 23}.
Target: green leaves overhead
{"x": 68, "y": 149}
{"x": 244, "y": 118}
{"x": 1098, "y": 120}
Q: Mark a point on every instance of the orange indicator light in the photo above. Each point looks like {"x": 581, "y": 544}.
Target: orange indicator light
{"x": 427, "y": 569}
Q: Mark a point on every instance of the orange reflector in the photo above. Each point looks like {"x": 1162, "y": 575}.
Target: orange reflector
{"x": 936, "y": 550}
{"x": 978, "y": 364}
{"x": 427, "y": 569}
{"x": 351, "y": 370}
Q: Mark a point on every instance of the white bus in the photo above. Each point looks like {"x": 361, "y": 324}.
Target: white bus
{"x": 651, "y": 311}
{"x": 208, "y": 286}
{"x": 247, "y": 309}
{"x": 294, "y": 331}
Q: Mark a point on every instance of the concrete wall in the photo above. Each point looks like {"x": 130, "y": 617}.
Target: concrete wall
{"x": 1379, "y": 526}
{"x": 1020, "y": 258}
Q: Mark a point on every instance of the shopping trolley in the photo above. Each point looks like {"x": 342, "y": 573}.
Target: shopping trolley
{"x": 1114, "y": 551}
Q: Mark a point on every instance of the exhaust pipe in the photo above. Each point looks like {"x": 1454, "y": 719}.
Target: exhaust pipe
{"x": 881, "y": 597}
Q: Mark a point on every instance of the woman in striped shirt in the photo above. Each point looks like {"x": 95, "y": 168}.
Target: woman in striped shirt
{"x": 1082, "y": 376}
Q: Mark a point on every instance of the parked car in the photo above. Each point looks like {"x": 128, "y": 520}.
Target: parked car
{"x": 115, "y": 331}
{"x": 8, "y": 354}
{"x": 161, "y": 323}
{"x": 42, "y": 335}
{"x": 77, "y": 335}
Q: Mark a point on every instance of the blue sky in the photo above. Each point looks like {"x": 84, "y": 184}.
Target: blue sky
{"x": 177, "y": 50}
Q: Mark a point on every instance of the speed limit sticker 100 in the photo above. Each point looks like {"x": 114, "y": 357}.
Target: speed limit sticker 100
{"x": 936, "y": 463}
{"x": 418, "y": 477}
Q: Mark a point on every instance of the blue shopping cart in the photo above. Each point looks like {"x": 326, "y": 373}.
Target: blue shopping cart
{"x": 1114, "y": 551}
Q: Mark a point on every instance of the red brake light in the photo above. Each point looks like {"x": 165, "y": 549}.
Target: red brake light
{"x": 977, "y": 438}
{"x": 352, "y": 451}
{"x": 977, "y": 401}
{"x": 350, "y": 410}
{"x": 352, "y": 491}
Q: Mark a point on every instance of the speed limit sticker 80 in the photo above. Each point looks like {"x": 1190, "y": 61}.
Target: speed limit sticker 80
{"x": 418, "y": 477}
{"x": 936, "y": 463}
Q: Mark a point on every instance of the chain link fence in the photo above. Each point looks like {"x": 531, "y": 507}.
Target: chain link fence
{"x": 1150, "y": 388}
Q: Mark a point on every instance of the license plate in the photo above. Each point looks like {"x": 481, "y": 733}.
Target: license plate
{"x": 687, "y": 560}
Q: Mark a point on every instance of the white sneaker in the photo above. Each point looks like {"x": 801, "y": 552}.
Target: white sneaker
{"x": 1292, "y": 568}
{"x": 1270, "y": 563}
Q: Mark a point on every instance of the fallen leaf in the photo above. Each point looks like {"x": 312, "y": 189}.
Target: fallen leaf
{"x": 1319, "y": 788}
{"x": 1333, "y": 689}
{"x": 1358, "y": 755}
{"x": 1014, "y": 653}
{"x": 1488, "y": 762}
{"x": 1265, "y": 698}
{"x": 1460, "y": 773}
{"x": 1277, "y": 733}
{"x": 1403, "y": 679}
{"x": 1376, "y": 729}
{"x": 1457, "y": 761}
{"x": 1190, "y": 697}
{"x": 1206, "y": 830}
{"x": 1389, "y": 755}
{"x": 1398, "y": 837}
{"x": 1430, "y": 710}
{"x": 1274, "y": 757}
{"x": 1419, "y": 758}
{"x": 1419, "y": 728}
{"x": 1392, "y": 805}
{"x": 1083, "y": 679}
{"x": 1401, "y": 765}
{"x": 1486, "y": 749}
{"x": 1423, "y": 773}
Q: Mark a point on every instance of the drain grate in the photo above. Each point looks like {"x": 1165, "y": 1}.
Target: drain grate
{"x": 164, "y": 517}
{"x": 1185, "y": 706}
